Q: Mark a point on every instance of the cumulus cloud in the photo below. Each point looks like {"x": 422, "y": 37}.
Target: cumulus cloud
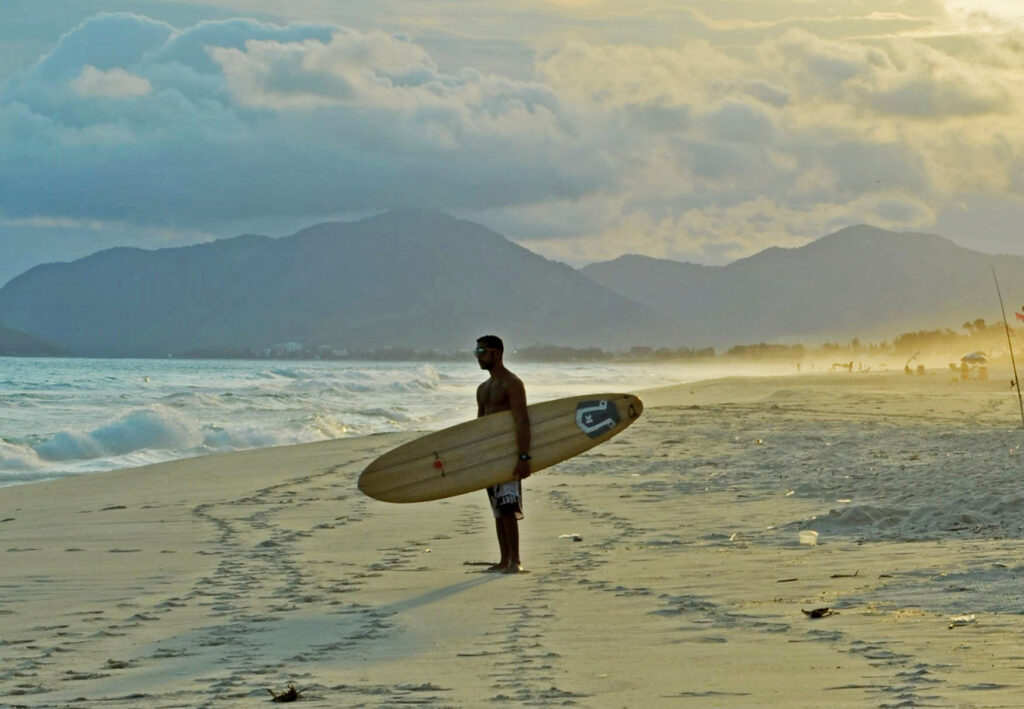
{"x": 820, "y": 64}
{"x": 899, "y": 77}
{"x": 687, "y": 149}
{"x": 739, "y": 121}
{"x": 812, "y": 134}
{"x": 292, "y": 120}
{"x": 353, "y": 68}
{"x": 115, "y": 83}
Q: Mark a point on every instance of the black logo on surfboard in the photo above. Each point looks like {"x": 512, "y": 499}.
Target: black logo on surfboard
{"x": 595, "y": 418}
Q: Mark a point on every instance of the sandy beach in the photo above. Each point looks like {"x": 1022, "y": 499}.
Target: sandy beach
{"x": 666, "y": 567}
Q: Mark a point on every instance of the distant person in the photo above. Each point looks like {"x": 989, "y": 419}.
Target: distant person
{"x": 504, "y": 391}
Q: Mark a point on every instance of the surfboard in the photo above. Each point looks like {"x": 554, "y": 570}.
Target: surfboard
{"x": 483, "y": 452}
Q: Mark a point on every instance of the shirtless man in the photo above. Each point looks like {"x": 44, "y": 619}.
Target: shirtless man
{"x": 504, "y": 391}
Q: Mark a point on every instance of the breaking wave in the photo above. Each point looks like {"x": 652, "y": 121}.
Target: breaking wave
{"x": 68, "y": 416}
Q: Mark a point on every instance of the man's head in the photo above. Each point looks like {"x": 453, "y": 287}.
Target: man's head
{"x": 489, "y": 351}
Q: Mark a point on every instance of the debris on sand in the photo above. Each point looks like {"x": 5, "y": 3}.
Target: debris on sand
{"x": 820, "y": 612}
{"x": 289, "y": 695}
{"x": 958, "y": 620}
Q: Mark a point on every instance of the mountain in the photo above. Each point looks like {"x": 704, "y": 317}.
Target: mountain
{"x": 413, "y": 278}
{"x": 14, "y": 343}
{"x": 858, "y": 282}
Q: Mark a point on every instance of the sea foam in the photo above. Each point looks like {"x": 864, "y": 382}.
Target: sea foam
{"x": 155, "y": 428}
{"x": 18, "y": 457}
{"x": 70, "y": 416}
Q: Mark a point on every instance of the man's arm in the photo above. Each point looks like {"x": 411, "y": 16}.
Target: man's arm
{"x": 517, "y": 405}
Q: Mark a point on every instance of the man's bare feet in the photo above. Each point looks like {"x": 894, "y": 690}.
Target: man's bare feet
{"x": 500, "y": 567}
{"x": 515, "y": 569}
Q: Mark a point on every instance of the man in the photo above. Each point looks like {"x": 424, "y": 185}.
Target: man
{"x": 504, "y": 391}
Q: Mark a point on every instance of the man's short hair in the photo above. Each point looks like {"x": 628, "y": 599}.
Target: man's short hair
{"x": 492, "y": 341}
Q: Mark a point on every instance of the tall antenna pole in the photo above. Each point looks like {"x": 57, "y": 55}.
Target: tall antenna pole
{"x": 1016, "y": 380}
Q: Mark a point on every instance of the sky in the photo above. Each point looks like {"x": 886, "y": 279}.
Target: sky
{"x": 700, "y": 131}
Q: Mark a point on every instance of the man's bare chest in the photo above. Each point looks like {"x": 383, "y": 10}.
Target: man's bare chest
{"x": 493, "y": 396}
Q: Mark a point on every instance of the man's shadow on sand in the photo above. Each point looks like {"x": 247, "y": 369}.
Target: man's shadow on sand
{"x": 438, "y": 594}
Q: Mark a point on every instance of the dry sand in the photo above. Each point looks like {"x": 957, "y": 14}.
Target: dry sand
{"x": 207, "y": 581}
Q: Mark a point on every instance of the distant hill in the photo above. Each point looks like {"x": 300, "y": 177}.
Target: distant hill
{"x": 14, "y": 343}
{"x": 413, "y": 278}
{"x": 858, "y": 282}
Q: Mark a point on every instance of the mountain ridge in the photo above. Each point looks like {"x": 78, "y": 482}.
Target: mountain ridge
{"x": 861, "y": 281}
{"x": 408, "y": 278}
{"x": 14, "y": 343}
{"x": 423, "y": 279}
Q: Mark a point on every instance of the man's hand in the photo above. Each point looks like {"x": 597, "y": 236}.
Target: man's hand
{"x": 522, "y": 470}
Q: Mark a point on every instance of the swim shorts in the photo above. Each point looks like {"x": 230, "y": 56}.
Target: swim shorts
{"x": 507, "y": 497}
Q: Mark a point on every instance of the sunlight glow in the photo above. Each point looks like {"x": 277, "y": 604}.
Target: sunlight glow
{"x": 1005, "y": 9}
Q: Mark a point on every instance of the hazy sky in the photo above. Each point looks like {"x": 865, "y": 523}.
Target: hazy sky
{"x": 583, "y": 129}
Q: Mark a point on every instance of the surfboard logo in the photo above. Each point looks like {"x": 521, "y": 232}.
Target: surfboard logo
{"x": 596, "y": 418}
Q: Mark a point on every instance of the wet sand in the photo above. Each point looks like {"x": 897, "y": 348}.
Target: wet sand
{"x": 209, "y": 581}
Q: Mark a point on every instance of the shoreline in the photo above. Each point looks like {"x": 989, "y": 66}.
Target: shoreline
{"x": 66, "y": 418}
{"x": 705, "y": 385}
{"x": 219, "y": 577}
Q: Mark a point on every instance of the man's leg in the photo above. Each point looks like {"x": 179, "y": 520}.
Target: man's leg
{"x": 499, "y": 525}
{"x": 510, "y": 524}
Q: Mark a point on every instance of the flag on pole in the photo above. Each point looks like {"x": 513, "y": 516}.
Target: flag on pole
{"x": 1020, "y": 316}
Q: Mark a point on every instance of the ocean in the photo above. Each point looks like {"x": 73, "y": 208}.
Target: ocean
{"x": 61, "y": 417}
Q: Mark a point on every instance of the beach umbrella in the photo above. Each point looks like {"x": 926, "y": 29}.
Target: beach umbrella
{"x": 975, "y": 358}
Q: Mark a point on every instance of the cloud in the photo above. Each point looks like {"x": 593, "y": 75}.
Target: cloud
{"x": 818, "y": 64}
{"x": 614, "y": 76}
{"x": 239, "y": 118}
{"x": 767, "y": 92}
{"x": 115, "y": 83}
{"x": 809, "y": 135}
{"x": 693, "y": 148}
{"x": 927, "y": 83}
{"x": 899, "y": 77}
{"x": 741, "y": 122}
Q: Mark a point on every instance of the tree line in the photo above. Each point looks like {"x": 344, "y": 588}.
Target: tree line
{"x": 975, "y": 335}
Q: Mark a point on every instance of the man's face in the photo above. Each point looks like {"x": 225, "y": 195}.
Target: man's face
{"x": 485, "y": 356}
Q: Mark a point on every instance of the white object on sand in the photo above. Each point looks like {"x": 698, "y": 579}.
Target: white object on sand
{"x": 809, "y": 537}
{"x": 961, "y": 620}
